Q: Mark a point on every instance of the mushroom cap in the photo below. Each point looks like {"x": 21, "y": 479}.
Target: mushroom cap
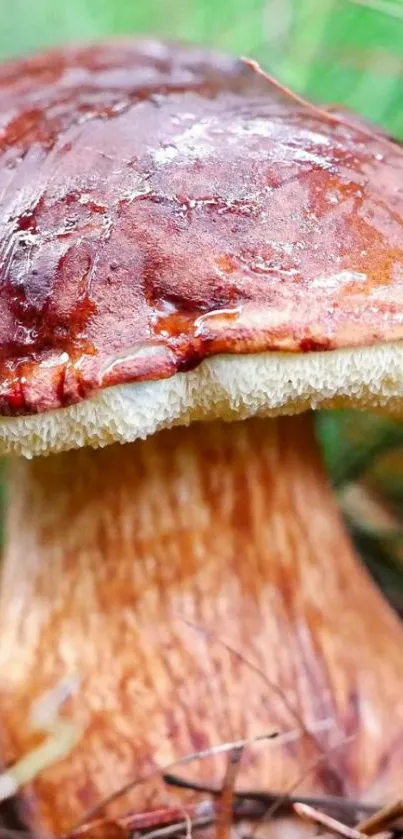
{"x": 183, "y": 240}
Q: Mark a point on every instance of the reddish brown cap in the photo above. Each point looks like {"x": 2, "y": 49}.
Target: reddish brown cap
{"x": 161, "y": 205}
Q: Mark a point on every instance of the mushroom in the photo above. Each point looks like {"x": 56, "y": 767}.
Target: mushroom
{"x": 192, "y": 260}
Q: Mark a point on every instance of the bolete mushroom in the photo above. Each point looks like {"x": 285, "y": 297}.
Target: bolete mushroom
{"x": 184, "y": 245}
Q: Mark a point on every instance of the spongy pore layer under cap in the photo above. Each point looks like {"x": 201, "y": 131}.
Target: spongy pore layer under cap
{"x": 223, "y": 387}
{"x": 181, "y": 240}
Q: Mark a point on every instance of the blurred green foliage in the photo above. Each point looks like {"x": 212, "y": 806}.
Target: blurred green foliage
{"x": 351, "y": 52}
{"x": 232, "y": 24}
{"x": 344, "y": 51}
{"x": 353, "y": 442}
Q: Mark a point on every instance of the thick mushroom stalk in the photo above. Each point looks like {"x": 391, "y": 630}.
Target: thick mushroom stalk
{"x": 233, "y": 528}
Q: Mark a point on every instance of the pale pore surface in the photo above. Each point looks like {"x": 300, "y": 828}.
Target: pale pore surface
{"x": 223, "y": 387}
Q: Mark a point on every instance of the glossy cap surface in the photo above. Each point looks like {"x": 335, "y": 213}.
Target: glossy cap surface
{"x": 162, "y": 205}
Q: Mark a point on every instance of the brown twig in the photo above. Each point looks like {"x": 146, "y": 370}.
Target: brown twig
{"x": 174, "y": 820}
{"x": 167, "y": 816}
{"x": 167, "y": 821}
{"x": 382, "y": 819}
{"x": 276, "y": 806}
{"x": 139, "y": 823}
{"x": 310, "y": 735}
{"x": 323, "y": 113}
{"x": 226, "y": 799}
{"x": 175, "y": 829}
{"x": 222, "y": 748}
{"x": 344, "y": 807}
{"x": 331, "y": 825}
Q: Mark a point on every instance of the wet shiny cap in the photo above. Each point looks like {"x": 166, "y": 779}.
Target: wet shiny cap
{"x": 181, "y": 239}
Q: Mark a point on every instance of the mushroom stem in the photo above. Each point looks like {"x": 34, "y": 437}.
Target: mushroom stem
{"x": 233, "y": 527}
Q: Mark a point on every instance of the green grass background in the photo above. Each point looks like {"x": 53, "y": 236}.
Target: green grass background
{"x": 345, "y": 51}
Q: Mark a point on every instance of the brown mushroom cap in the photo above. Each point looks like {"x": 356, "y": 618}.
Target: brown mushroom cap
{"x": 162, "y": 206}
